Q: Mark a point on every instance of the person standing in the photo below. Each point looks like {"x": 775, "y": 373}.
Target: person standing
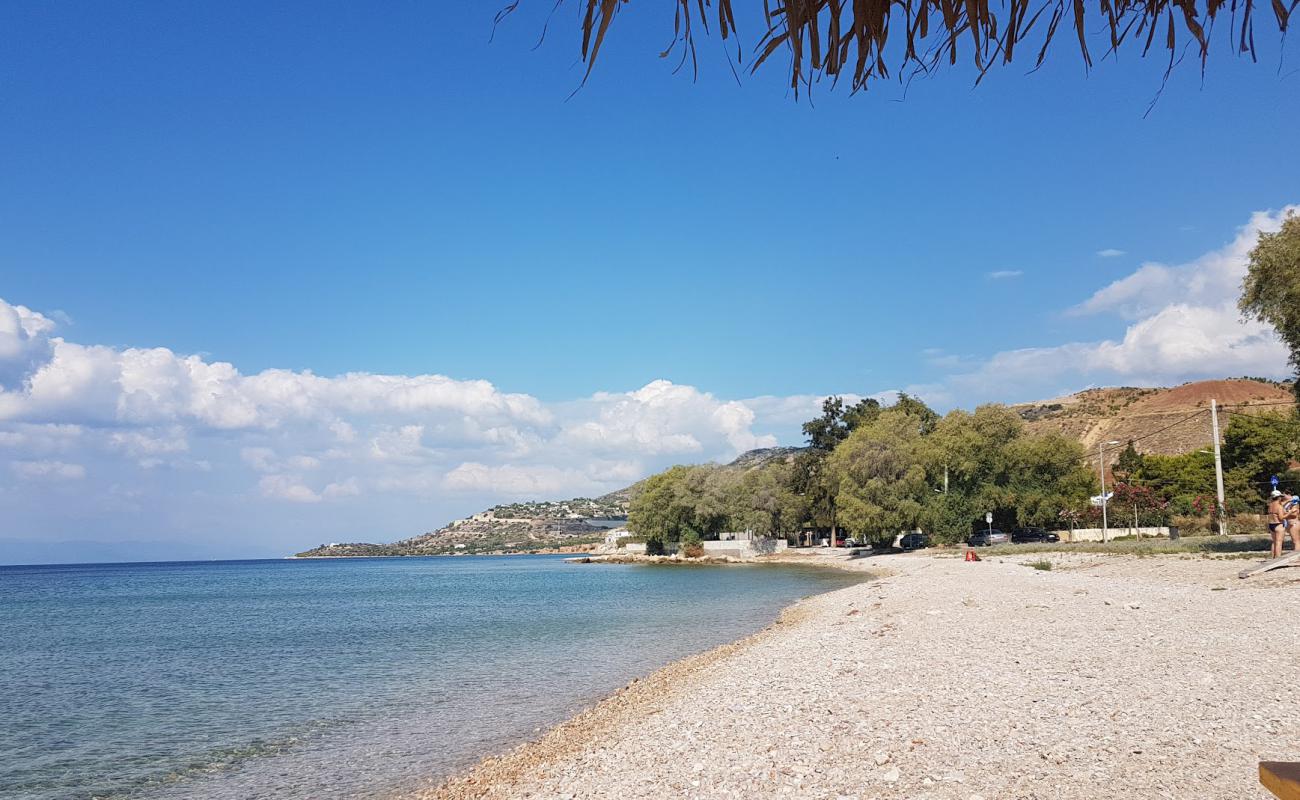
{"x": 1291, "y": 524}
{"x": 1277, "y": 521}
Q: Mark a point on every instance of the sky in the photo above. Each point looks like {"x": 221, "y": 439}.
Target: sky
{"x": 277, "y": 276}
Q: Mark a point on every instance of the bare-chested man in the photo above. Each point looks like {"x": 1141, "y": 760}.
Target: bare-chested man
{"x": 1277, "y": 521}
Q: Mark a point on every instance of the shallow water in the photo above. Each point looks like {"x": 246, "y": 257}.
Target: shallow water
{"x": 332, "y": 679}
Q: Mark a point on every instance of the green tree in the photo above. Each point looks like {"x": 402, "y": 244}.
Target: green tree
{"x": 879, "y": 476}
{"x": 1129, "y": 462}
{"x": 1271, "y": 290}
{"x": 1255, "y": 448}
{"x": 764, "y": 503}
{"x": 662, "y": 511}
{"x": 1177, "y": 478}
{"x": 1044, "y": 474}
{"x": 837, "y": 421}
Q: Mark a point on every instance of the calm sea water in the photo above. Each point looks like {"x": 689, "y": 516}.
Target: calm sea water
{"x": 331, "y": 679}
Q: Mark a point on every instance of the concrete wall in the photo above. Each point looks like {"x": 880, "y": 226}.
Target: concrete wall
{"x": 736, "y": 549}
{"x": 1094, "y": 534}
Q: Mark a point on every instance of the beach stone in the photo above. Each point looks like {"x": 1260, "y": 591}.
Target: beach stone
{"x": 1056, "y": 701}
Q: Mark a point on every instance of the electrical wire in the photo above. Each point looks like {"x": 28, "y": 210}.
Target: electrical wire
{"x": 1178, "y": 422}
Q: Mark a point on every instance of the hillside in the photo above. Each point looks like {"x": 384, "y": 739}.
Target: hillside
{"x": 550, "y": 525}
{"x": 1156, "y": 419}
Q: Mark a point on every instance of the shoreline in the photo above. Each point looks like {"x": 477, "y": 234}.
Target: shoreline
{"x": 638, "y": 697}
{"x": 604, "y": 714}
{"x": 684, "y": 730}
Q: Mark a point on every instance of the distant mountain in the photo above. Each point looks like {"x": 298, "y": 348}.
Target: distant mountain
{"x": 1155, "y": 419}
{"x": 548, "y": 525}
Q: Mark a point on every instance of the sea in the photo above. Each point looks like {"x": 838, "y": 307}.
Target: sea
{"x": 333, "y": 678}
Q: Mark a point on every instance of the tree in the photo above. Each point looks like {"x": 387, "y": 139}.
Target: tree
{"x": 1271, "y": 290}
{"x": 879, "y": 475}
{"x": 1178, "y": 479}
{"x": 658, "y": 513}
{"x": 838, "y": 421}
{"x": 834, "y": 38}
{"x": 1255, "y": 448}
{"x": 829, "y": 429}
{"x": 764, "y": 502}
{"x": 1128, "y": 463}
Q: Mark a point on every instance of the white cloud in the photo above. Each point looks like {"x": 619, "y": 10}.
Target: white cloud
{"x": 662, "y": 418}
{"x": 1003, "y": 274}
{"x": 1181, "y": 323}
{"x": 1213, "y": 279}
{"x": 280, "y": 437}
{"x": 1110, "y": 252}
{"x": 57, "y": 470}
{"x": 287, "y": 487}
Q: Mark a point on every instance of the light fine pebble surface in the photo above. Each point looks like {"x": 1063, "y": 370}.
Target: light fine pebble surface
{"x": 1104, "y": 677}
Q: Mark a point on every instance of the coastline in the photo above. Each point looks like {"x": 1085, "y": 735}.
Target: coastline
{"x": 642, "y": 696}
{"x": 922, "y": 683}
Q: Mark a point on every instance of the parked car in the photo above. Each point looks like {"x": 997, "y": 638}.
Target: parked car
{"x": 987, "y": 537}
{"x": 912, "y": 541}
{"x": 1026, "y": 535}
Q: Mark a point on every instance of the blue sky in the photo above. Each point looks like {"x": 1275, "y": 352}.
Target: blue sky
{"x": 328, "y": 188}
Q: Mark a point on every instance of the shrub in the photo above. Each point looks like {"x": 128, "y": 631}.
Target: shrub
{"x": 654, "y": 546}
{"x": 1192, "y": 525}
{"x": 690, "y": 545}
{"x": 1041, "y": 565}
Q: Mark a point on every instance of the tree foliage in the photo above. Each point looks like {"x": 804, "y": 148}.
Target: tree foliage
{"x": 1270, "y": 291}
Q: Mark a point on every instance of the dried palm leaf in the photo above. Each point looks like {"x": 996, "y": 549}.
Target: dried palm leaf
{"x": 831, "y": 38}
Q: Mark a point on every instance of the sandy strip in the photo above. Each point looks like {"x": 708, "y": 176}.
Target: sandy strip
{"x": 1105, "y": 677}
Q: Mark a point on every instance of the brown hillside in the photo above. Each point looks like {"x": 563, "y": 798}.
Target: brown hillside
{"x": 1154, "y": 418}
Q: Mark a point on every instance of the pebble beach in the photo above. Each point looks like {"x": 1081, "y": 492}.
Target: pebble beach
{"x": 1101, "y": 677}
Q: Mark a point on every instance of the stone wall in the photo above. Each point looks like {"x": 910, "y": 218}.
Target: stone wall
{"x": 748, "y": 548}
{"x": 1094, "y": 534}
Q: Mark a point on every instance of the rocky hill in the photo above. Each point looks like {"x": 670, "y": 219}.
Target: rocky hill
{"x": 1156, "y": 419}
{"x": 549, "y": 525}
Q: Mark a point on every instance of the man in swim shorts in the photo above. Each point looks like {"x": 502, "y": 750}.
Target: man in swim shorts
{"x": 1277, "y": 521}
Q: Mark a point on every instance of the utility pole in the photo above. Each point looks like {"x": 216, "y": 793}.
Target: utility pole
{"x": 1218, "y": 464}
{"x": 1101, "y": 469}
{"x": 945, "y": 478}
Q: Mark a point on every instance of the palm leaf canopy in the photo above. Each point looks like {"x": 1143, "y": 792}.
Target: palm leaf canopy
{"x": 835, "y": 38}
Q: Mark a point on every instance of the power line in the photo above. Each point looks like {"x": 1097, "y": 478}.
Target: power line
{"x": 1176, "y": 423}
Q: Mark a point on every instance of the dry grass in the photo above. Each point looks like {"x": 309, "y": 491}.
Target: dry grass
{"x": 1209, "y": 546}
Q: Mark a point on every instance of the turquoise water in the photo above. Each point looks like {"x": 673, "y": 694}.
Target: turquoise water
{"x": 331, "y": 679}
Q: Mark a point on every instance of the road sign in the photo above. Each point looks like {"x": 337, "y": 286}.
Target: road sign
{"x": 1275, "y": 481}
{"x": 988, "y": 517}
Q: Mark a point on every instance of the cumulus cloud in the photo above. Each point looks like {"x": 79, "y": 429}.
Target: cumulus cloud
{"x": 294, "y": 437}
{"x": 1181, "y": 323}
{"x": 662, "y": 418}
{"x": 287, "y": 487}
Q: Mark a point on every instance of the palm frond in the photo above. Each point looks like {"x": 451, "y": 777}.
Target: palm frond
{"x": 833, "y": 38}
